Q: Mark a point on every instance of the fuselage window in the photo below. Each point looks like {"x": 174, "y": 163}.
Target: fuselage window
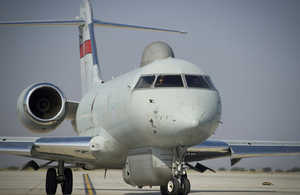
{"x": 169, "y": 81}
{"x": 145, "y": 82}
{"x": 196, "y": 81}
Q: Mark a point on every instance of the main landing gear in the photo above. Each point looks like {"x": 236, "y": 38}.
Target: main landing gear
{"x": 64, "y": 177}
{"x": 178, "y": 183}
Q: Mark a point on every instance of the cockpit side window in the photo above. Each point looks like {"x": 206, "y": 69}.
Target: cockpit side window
{"x": 208, "y": 79}
{"x": 169, "y": 81}
{"x": 145, "y": 82}
{"x": 196, "y": 81}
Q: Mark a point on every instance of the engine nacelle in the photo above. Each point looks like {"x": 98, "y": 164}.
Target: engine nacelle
{"x": 149, "y": 166}
{"x": 41, "y": 108}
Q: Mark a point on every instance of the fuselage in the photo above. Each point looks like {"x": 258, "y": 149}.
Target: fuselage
{"x": 138, "y": 115}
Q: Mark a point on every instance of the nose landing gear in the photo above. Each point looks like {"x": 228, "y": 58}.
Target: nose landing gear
{"x": 178, "y": 183}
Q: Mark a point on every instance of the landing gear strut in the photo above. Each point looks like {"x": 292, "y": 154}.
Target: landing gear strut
{"x": 178, "y": 183}
{"x": 64, "y": 177}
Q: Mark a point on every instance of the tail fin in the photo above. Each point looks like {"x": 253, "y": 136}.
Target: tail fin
{"x": 89, "y": 64}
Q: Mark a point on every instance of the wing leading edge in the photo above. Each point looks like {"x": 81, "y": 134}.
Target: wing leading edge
{"x": 78, "y": 150}
{"x": 236, "y": 150}
{"x": 21, "y": 146}
{"x": 73, "y": 150}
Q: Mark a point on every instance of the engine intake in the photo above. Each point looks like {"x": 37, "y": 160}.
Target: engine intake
{"x": 41, "y": 107}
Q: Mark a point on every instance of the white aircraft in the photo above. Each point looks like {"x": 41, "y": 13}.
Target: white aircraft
{"x": 151, "y": 122}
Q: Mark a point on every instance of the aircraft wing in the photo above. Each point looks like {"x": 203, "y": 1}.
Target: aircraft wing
{"x": 17, "y": 145}
{"x": 73, "y": 150}
{"x": 236, "y": 150}
{"x": 77, "y": 150}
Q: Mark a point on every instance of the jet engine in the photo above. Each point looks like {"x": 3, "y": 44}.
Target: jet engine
{"x": 41, "y": 108}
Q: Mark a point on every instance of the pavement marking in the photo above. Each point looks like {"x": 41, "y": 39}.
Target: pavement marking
{"x": 88, "y": 185}
{"x": 35, "y": 187}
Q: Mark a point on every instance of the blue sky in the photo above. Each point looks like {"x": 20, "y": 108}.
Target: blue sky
{"x": 251, "y": 49}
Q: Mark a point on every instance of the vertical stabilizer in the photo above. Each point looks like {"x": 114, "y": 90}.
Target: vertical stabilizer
{"x": 89, "y": 64}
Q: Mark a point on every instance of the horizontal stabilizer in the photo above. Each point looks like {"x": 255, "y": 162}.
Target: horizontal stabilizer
{"x": 74, "y": 22}
{"x": 132, "y": 27}
{"x": 79, "y": 22}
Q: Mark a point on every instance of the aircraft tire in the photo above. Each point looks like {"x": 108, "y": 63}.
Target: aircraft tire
{"x": 163, "y": 190}
{"x": 185, "y": 186}
{"x": 173, "y": 186}
{"x": 67, "y": 185}
{"x": 51, "y": 183}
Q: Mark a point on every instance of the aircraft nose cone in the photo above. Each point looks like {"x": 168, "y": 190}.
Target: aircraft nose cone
{"x": 195, "y": 123}
{"x": 192, "y": 124}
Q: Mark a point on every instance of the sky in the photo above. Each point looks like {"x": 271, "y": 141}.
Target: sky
{"x": 251, "y": 50}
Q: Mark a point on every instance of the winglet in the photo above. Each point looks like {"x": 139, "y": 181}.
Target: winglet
{"x": 31, "y": 164}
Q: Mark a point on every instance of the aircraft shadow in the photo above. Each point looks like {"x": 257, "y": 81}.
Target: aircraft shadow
{"x": 156, "y": 192}
{"x": 134, "y": 191}
{"x": 207, "y": 191}
{"x": 230, "y": 191}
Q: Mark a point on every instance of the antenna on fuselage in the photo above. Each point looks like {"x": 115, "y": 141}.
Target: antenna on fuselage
{"x": 156, "y": 51}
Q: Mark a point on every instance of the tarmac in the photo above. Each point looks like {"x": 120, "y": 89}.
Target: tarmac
{"x": 93, "y": 182}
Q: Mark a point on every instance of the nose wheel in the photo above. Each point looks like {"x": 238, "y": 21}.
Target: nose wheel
{"x": 174, "y": 187}
{"x": 185, "y": 186}
{"x": 178, "y": 183}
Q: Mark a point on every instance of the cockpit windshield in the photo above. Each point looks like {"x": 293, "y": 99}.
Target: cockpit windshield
{"x": 145, "y": 82}
{"x": 169, "y": 81}
{"x": 198, "y": 81}
{"x": 208, "y": 79}
{"x": 188, "y": 81}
